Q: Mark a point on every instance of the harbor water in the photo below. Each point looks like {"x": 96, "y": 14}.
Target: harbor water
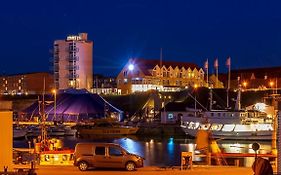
{"x": 161, "y": 151}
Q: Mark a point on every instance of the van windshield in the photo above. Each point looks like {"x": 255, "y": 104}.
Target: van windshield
{"x": 124, "y": 150}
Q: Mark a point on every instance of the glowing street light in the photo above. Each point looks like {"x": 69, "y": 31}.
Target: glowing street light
{"x": 54, "y": 91}
{"x": 131, "y": 67}
{"x": 271, "y": 84}
{"x": 245, "y": 84}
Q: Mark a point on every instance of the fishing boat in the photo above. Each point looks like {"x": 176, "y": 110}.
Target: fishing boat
{"x": 106, "y": 129}
{"x": 225, "y": 124}
{"x": 238, "y": 124}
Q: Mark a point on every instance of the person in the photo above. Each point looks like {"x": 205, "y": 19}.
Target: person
{"x": 262, "y": 166}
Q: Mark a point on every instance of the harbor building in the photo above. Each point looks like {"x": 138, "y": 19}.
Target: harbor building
{"x": 73, "y": 62}
{"x": 254, "y": 79}
{"x": 28, "y": 83}
{"x": 140, "y": 75}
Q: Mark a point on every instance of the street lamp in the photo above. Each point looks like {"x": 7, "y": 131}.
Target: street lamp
{"x": 54, "y": 91}
{"x": 245, "y": 84}
{"x": 271, "y": 84}
{"x": 195, "y": 88}
{"x": 131, "y": 67}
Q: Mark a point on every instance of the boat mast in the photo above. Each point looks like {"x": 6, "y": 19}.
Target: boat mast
{"x": 211, "y": 98}
{"x": 228, "y": 63}
{"x": 43, "y": 117}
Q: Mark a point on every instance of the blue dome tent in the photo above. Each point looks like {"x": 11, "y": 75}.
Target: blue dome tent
{"x": 74, "y": 105}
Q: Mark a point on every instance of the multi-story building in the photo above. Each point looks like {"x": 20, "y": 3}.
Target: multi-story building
{"x": 73, "y": 62}
{"x": 29, "y": 83}
{"x": 143, "y": 75}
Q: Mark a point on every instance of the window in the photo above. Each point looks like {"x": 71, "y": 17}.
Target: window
{"x": 125, "y": 73}
{"x": 170, "y": 116}
{"x": 100, "y": 150}
{"x": 113, "y": 151}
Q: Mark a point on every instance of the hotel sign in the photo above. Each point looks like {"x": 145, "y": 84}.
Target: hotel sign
{"x": 73, "y": 38}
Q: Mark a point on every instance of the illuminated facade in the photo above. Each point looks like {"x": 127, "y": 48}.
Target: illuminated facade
{"x": 73, "y": 62}
{"x": 29, "y": 83}
{"x": 143, "y": 75}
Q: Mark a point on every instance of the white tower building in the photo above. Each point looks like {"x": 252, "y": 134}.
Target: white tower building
{"x": 73, "y": 62}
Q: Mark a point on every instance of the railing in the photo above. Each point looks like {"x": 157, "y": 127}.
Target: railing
{"x": 72, "y": 67}
{"x": 72, "y": 49}
{"x": 72, "y": 76}
{"x": 72, "y": 58}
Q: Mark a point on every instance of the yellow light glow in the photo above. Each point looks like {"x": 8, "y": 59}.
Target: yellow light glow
{"x": 245, "y": 83}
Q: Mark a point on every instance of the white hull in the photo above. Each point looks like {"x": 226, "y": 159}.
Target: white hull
{"x": 231, "y": 135}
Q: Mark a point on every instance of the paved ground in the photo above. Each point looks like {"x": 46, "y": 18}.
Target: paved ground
{"x": 212, "y": 170}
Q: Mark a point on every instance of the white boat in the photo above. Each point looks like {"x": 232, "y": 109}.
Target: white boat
{"x": 230, "y": 124}
{"x": 238, "y": 124}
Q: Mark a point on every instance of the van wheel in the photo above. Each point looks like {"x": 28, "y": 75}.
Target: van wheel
{"x": 130, "y": 166}
{"x": 83, "y": 166}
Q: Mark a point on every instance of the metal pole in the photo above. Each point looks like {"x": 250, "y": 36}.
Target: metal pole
{"x": 55, "y": 105}
{"x": 228, "y": 87}
{"x": 278, "y": 163}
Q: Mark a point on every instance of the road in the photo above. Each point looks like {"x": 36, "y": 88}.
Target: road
{"x": 212, "y": 170}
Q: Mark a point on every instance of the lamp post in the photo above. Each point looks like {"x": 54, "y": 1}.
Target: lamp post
{"x": 271, "y": 83}
{"x": 54, "y": 91}
{"x": 195, "y": 103}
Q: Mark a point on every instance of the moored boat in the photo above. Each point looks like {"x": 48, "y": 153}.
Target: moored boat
{"x": 229, "y": 125}
{"x": 106, "y": 129}
{"x": 19, "y": 133}
{"x": 251, "y": 123}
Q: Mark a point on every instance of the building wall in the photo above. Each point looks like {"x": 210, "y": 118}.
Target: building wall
{"x": 30, "y": 83}
{"x": 73, "y": 62}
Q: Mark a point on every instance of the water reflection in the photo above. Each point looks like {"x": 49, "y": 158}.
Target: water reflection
{"x": 165, "y": 151}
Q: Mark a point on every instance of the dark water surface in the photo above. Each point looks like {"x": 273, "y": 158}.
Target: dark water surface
{"x": 162, "y": 151}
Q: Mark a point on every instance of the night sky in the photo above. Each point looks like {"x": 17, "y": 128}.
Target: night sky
{"x": 249, "y": 31}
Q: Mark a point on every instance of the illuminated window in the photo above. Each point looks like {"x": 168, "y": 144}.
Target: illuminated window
{"x": 170, "y": 116}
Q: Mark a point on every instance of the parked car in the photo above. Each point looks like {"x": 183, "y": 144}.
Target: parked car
{"x": 105, "y": 155}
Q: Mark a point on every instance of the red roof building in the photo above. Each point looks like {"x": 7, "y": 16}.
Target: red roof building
{"x": 143, "y": 75}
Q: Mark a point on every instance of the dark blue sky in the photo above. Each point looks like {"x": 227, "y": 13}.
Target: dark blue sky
{"x": 188, "y": 30}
